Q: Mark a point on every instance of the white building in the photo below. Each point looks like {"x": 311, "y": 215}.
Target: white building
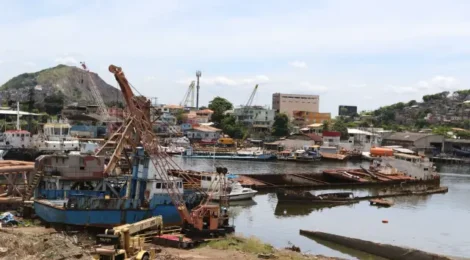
{"x": 361, "y": 140}
{"x": 256, "y": 116}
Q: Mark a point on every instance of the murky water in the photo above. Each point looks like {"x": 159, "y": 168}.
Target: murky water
{"x": 438, "y": 223}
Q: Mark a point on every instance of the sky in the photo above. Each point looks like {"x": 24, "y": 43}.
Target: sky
{"x": 365, "y": 53}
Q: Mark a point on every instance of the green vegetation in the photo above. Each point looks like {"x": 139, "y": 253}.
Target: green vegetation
{"x": 326, "y": 126}
{"x": 219, "y": 105}
{"x": 232, "y": 128}
{"x": 280, "y": 125}
{"x": 438, "y": 96}
{"x": 340, "y": 126}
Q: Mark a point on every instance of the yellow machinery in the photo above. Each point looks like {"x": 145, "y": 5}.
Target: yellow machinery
{"x": 226, "y": 141}
{"x": 123, "y": 242}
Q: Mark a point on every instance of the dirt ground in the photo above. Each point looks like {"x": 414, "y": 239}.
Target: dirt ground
{"x": 39, "y": 243}
{"x": 206, "y": 253}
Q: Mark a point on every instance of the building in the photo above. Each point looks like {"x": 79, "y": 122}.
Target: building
{"x": 204, "y": 133}
{"x": 256, "y": 116}
{"x": 288, "y": 103}
{"x": 331, "y": 138}
{"x": 419, "y": 142}
{"x": 294, "y": 142}
{"x": 347, "y": 110}
{"x": 361, "y": 140}
{"x": 304, "y": 118}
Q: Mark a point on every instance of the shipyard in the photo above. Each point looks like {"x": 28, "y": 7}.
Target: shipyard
{"x": 223, "y": 130}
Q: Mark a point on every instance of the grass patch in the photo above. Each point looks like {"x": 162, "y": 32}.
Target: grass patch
{"x": 248, "y": 245}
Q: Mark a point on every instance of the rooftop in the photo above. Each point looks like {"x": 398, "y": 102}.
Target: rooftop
{"x": 407, "y": 136}
{"x": 205, "y": 128}
{"x": 359, "y": 132}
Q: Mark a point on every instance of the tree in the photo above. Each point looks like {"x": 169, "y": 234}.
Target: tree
{"x": 219, "y": 105}
{"x": 281, "y": 125}
{"x": 54, "y": 103}
{"x": 326, "y": 125}
{"x": 340, "y": 126}
{"x": 230, "y": 127}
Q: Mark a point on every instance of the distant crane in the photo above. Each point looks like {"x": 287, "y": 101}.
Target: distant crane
{"x": 189, "y": 96}
{"x": 102, "y": 109}
{"x": 246, "y": 116}
{"x": 246, "y": 108}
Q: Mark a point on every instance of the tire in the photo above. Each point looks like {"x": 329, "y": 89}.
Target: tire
{"x": 146, "y": 257}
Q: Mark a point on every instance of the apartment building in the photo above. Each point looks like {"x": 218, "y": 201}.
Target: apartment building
{"x": 256, "y": 116}
{"x": 288, "y": 103}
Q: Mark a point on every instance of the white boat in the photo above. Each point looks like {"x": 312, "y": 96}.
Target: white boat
{"x": 237, "y": 192}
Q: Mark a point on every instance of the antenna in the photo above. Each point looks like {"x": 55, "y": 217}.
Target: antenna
{"x": 198, "y": 75}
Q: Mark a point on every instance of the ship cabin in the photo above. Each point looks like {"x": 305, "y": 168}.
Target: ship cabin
{"x": 16, "y": 139}
{"x": 57, "y": 130}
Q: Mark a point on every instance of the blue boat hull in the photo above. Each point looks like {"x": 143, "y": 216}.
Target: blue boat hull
{"x": 103, "y": 217}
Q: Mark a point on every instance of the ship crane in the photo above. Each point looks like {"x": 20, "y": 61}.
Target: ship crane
{"x": 137, "y": 131}
{"x": 189, "y": 96}
{"x": 102, "y": 109}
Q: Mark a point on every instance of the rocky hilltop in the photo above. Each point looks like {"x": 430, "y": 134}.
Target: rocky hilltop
{"x": 67, "y": 83}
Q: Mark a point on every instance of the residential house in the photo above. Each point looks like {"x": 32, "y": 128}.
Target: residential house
{"x": 203, "y": 133}
{"x": 331, "y": 138}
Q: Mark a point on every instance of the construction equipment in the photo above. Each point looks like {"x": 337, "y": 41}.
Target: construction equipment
{"x": 123, "y": 242}
{"x": 102, "y": 109}
{"x": 246, "y": 116}
{"x": 189, "y": 96}
{"x": 137, "y": 131}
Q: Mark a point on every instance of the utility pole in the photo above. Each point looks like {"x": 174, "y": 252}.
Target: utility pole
{"x": 198, "y": 75}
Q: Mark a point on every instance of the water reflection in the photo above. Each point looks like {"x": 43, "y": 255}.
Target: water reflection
{"x": 435, "y": 223}
{"x": 290, "y": 210}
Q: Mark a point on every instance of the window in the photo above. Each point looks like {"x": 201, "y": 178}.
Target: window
{"x": 17, "y": 135}
{"x": 22, "y": 135}
{"x": 159, "y": 185}
{"x": 164, "y": 185}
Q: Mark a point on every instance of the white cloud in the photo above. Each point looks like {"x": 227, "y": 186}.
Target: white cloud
{"x": 433, "y": 85}
{"x": 298, "y": 64}
{"x": 439, "y": 83}
{"x": 309, "y": 87}
{"x": 67, "y": 60}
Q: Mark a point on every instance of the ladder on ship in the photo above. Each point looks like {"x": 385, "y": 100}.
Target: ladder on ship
{"x": 32, "y": 186}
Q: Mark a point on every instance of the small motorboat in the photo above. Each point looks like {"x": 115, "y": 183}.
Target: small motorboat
{"x": 237, "y": 192}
